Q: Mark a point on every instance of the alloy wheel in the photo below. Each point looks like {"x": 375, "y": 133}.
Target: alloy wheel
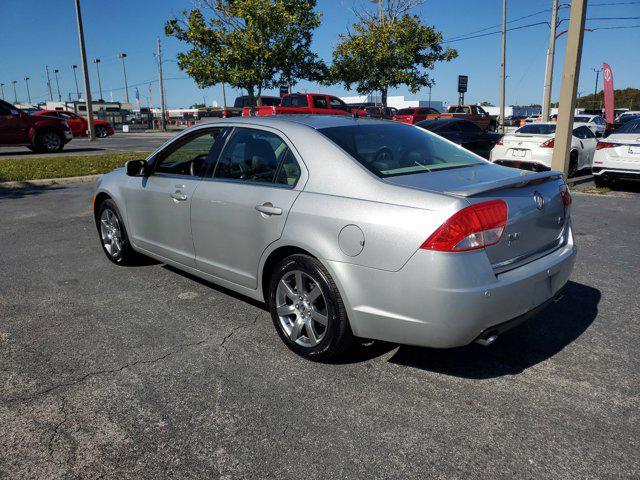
{"x": 51, "y": 141}
{"x": 111, "y": 233}
{"x": 301, "y": 308}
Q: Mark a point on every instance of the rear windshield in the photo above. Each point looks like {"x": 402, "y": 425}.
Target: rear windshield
{"x": 630, "y": 127}
{"x": 392, "y": 150}
{"x": 406, "y": 111}
{"x": 627, "y": 118}
{"x": 537, "y": 129}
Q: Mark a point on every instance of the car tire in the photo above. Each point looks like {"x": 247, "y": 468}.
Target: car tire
{"x": 49, "y": 141}
{"x": 573, "y": 164}
{"x": 113, "y": 234}
{"x": 101, "y": 132}
{"x": 600, "y": 181}
{"x": 307, "y": 309}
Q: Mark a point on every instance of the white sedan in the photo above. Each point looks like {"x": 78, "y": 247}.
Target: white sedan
{"x": 595, "y": 123}
{"x": 618, "y": 156}
{"x": 531, "y": 148}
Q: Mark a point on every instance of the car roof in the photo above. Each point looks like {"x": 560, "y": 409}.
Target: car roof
{"x": 313, "y": 121}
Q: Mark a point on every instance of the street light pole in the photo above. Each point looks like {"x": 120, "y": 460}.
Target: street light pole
{"x": 75, "y": 79}
{"x": 85, "y": 72}
{"x": 595, "y": 90}
{"x": 124, "y": 71}
{"x": 548, "y": 75}
{"x": 502, "y": 64}
{"x": 97, "y": 62}
{"x": 2, "y": 90}
{"x": 15, "y": 93}
{"x": 55, "y": 73}
{"x": 570, "y": 77}
{"x": 26, "y": 81}
{"x": 49, "y": 83}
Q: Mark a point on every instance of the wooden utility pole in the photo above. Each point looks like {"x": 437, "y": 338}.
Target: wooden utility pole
{"x": 548, "y": 75}
{"x": 502, "y": 64}
{"x": 163, "y": 120}
{"x": 570, "y": 77}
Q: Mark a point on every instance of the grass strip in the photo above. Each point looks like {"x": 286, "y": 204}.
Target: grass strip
{"x": 35, "y": 168}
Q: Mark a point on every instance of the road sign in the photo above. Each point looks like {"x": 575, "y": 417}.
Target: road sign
{"x": 462, "y": 83}
{"x": 284, "y": 90}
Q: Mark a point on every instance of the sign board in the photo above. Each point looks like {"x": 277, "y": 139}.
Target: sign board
{"x": 284, "y": 91}
{"x": 462, "y": 83}
{"x": 125, "y": 128}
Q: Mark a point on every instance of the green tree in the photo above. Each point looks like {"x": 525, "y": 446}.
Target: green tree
{"x": 248, "y": 44}
{"x": 386, "y": 52}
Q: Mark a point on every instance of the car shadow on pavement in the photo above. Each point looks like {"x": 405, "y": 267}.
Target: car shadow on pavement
{"x": 625, "y": 186}
{"x": 27, "y": 191}
{"x": 533, "y": 342}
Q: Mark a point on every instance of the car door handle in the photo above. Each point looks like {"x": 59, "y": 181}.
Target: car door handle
{"x": 178, "y": 196}
{"x": 268, "y": 209}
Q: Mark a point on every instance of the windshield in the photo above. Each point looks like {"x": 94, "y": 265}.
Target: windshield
{"x": 391, "y": 150}
{"x": 537, "y": 129}
{"x": 630, "y": 127}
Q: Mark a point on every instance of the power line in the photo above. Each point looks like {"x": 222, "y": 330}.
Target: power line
{"x": 612, "y": 4}
{"x": 498, "y": 25}
{"x": 497, "y": 32}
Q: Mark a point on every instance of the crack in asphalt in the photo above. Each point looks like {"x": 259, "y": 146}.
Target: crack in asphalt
{"x": 176, "y": 349}
{"x": 52, "y": 439}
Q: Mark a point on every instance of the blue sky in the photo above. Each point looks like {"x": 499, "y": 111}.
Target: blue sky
{"x": 43, "y": 32}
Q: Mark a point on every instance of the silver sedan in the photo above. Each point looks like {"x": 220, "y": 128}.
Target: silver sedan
{"x": 346, "y": 228}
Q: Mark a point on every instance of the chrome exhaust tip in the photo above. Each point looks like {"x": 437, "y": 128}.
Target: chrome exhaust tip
{"x": 486, "y": 340}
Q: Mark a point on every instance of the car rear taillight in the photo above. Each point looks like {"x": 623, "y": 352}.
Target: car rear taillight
{"x": 548, "y": 144}
{"x": 566, "y": 199}
{"x": 601, "y": 145}
{"x": 500, "y": 142}
{"x": 474, "y": 227}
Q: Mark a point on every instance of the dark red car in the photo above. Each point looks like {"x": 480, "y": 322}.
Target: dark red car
{"x": 79, "y": 124}
{"x": 40, "y": 133}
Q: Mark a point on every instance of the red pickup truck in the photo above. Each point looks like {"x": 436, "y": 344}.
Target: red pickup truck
{"x": 303, "y": 103}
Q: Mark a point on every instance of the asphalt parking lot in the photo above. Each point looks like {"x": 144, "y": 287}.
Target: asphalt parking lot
{"x": 120, "y": 142}
{"x": 145, "y": 372}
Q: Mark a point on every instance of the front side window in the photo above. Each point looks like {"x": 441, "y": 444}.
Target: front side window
{"x": 391, "y": 150}
{"x": 319, "y": 102}
{"x": 251, "y": 155}
{"x": 190, "y": 156}
{"x": 337, "y": 103}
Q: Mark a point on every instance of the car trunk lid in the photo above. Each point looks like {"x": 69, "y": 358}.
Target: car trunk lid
{"x": 536, "y": 217}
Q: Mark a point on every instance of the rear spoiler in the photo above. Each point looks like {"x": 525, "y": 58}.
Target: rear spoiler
{"x": 525, "y": 178}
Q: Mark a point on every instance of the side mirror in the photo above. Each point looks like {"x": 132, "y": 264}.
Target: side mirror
{"x": 137, "y": 168}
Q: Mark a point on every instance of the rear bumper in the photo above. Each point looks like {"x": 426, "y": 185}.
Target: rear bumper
{"x": 447, "y": 300}
{"x": 623, "y": 173}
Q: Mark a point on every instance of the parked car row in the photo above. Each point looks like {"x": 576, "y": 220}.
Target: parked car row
{"x": 45, "y": 131}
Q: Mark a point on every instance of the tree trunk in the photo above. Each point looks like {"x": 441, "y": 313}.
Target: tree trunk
{"x": 384, "y": 97}
{"x": 252, "y": 97}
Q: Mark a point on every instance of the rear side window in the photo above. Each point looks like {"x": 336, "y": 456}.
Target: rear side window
{"x": 295, "y": 101}
{"x": 251, "y": 155}
{"x": 289, "y": 171}
{"x": 391, "y": 150}
{"x": 583, "y": 133}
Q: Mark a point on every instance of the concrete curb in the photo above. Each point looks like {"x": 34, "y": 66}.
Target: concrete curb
{"x": 579, "y": 180}
{"x": 49, "y": 181}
